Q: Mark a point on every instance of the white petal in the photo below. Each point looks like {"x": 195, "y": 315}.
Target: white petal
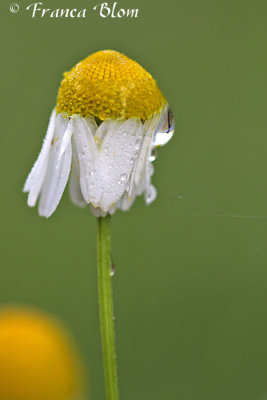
{"x": 117, "y": 154}
{"x": 65, "y": 141}
{"x": 132, "y": 184}
{"x": 143, "y": 169}
{"x": 106, "y": 126}
{"x": 150, "y": 194}
{"x": 87, "y": 154}
{"x": 75, "y": 189}
{"x": 56, "y": 177}
{"x": 74, "y": 183}
{"x": 126, "y": 201}
{"x": 97, "y": 212}
{"x": 36, "y": 177}
{"x": 92, "y": 124}
{"x": 149, "y": 132}
{"x": 150, "y": 190}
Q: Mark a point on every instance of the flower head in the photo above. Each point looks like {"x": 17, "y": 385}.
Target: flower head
{"x": 110, "y": 115}
{"x": 108, "y": 85}
{"x": 37, "y": 357}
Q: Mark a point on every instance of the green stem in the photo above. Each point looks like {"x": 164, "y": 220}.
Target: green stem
{"x": 106, "y": 308}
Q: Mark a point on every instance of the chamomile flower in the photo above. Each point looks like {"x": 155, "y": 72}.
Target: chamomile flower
{"x": 109, "y": 117}
{"x": 38, "y": 359}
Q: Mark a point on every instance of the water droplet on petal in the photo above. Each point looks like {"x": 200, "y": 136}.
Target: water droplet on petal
{"x": 124, "y": 177}
{"x": 112, "y": 269}
{"x": 166, "y": 130}
{"x": 93, "y": 172}
{"x": 154, "y": 155}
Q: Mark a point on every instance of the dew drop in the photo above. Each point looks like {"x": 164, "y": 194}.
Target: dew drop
{"x": 93, "y": 172}
{"x": 112, "y": 269}
{"x": 154, "y": 155}
{"x": 124, "y": 177}
{"x": 166, "y": 130}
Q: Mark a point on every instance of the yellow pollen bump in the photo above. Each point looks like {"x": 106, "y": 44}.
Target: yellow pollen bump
{"x": 107, "y": 84}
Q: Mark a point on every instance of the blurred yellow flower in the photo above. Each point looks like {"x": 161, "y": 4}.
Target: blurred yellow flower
{"x": 38, "y": 359}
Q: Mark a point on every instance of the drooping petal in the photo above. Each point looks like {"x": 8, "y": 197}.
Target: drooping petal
{"x": 108, "y": 126}
{"x": 64, "y": 142}
{"x": 117, "y": 155}
{"x": 149, "y": 132}
{"x": 132, "y": 184}
{"x": 125, "y": 202}
{"x": 97, "y": 212}
{"x": 75, "y": 189}
{"x": 150, "y": 194}
{"x": 57, "y": 174}
{"x": 74, "y": 183}
{"x": 87, "y": 155}
{"x": 36, "y": 177}
{"x": 92, "y": 124}
{"x": 143, "y": 169}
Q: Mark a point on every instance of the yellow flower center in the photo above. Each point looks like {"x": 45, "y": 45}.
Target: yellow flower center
{"x": 108, "y": 84}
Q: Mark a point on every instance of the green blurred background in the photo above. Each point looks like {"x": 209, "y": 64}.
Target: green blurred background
{"x": 190, "y": 282}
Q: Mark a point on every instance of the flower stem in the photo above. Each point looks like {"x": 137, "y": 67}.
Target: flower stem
{"x": 106, "y": 308}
